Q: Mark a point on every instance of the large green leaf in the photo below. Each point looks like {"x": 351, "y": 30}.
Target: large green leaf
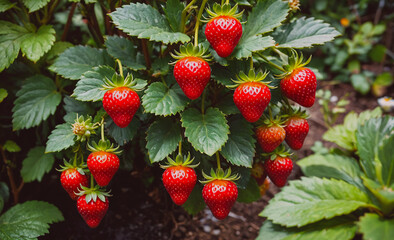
{"x": 124, "y": 50}
{"x": 313, "y": 199}
{"x": 208, "y": 131}
{"x": 240, "y": 147}
{"x": 34, "y": 5}
{"x": 386, "y": 157}
{"x": 339, "y": 228}
{"x": 304, "y": 32}
{"x": 252, "y": 44}
{"x": 62, "y": 137}
{"x": 385, "y": 195}
{"x": 162, "y": 139}
{"x": 77, "y": 60}
{"x": 144, "y": 21}
{"x": 71, "y": 105}
{"x": 28, "y": 221}
{"x": 36, "y": 44}
{"x": 173, "y": 11}
{"x": 195, "y": 203}
{"x": 332, "y": 166}
{"x": 369, "y": 137}
{"x": 89, "y": 88}
{"x": 374, "y": 227}
{"x": 161, "y": 100}
{"x": 36, "y": 164}
{"x": 5, "y": 5}
{"x": 124, "y": 135}
{"x": 36, "y": 100}
{"x": 251, "y": 193}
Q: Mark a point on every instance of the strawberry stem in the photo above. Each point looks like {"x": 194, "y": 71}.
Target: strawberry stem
{"x": 202, "y": 102}
{"x": 183, "y": 16}
{"x": 251, "y": 63}
{"x": 102, "y": 129}
{"x": 180, "y": 147}
{"x": 120, "y": 67}
{"x": 271, "y": 63}
{"x": 270, "y": 113}
{"x": 91, "y": 180}
{"x": 227, "y": 1}
{"x": 198, "y": 22}
{"x": 75, "y": 159}
{"x": 218, "y": 159}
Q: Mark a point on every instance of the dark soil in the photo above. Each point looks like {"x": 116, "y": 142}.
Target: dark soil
{"x": 137, "y": 212}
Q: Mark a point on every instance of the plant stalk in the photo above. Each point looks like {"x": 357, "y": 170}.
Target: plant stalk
{"x": 198, "y": 22}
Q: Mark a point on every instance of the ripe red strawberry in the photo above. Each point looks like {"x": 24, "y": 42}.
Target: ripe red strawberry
{"x": 297, "y": 129}
{"x": 220, "y": 196}
{"x": 251, "y": 96}
{"x": 92, "y": 205}
{"x": 192, "y": 74}
{"x": 224, "y": 30}
{"x": 121, "y": 103}
{"x": 270, "y": 137}
{"x": 179, "y": 178}
{"x": 300, "y": 86}
{"x": 278, "y": 169}
{"x": 72, "y": 180}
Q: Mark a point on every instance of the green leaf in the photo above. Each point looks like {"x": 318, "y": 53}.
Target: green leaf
{"x": 161, "y": 100}
{"x": 195, "y": 203}
{"x": 28, "y": 221}
{"x": 5, "y": 5}
{"x": 11, "y": 37}
{"x": 124, "y": 50}
{"x": 3, "y": 94}
{"x": 143, "y": 21}
{"x": 369, "y": 137}
{"x": 36, "y": 100}
{"x": 207, "y": 132}
{"x": 313, "y": 199}
{"x": 89, "y": 88}
{"x": 239, "y": 150}
{"x": 385, "y": 155}
{"x": 251, "y": 193}
{"x": 360, "y": 83}
{"x": 224, "y": 75}
{"x": 71, "y": 105}
{"x": 61, "y": 138}
{"x": 304, "y": 32}
{"x": 11, "y": 146}
{"x": 252, "y": 44}
{"x": 57, "y": 49}
{"x": 385, "y": 195}
{"x": 36, "y": 44}
{"x": 162, "y": 139}
{"x": 34, "y": 5}
{"x": 75, "y": 61}
{"x": 36, "y": 164}
{"x": 173, "y": 11}
{"x": 339, "y": 228}
{"x": 124, "y": 135}
{"x": 4, "y": 192}
{"x": 332, "y": 166}
{"x": 374, "y": 227}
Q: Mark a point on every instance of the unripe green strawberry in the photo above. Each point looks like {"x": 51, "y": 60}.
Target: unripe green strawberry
{"x": 270, "y": 137}
{"x": 297, "y": 129}
{"x": 278, "y": 169}
{"x": 179, "y": 182}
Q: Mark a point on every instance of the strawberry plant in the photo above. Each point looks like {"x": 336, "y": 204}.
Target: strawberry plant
{"x": 345, "y": 191}
{"x": 191, "y": 76}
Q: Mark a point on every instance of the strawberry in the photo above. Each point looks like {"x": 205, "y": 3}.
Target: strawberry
{"x": 258, "y": 172}
{"x": 179, "y": 179}
{"x": 103, "y": 162}
{"x": 278, "y": 169}
{"x": 270, "y": 136}
{"x": 71, "y": 180}
{"x": 223, "y": 30}
{"x": 220, "y": 193}
{"x": 297, "y": 129}
{"x": 92, "y": 205}
{"x": 251, "y": 95}
{"x": 120, "y": 100}
{"x": 191, "y": 70}
{"x": 264, "y": 186}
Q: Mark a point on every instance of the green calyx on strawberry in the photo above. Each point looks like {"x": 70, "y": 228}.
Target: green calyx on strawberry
{"x": 223, "y": 30}
{"x": 103, "y": 162}
{"x": 92, "y": 204}
{"x": 297, "y": 128}
{"x": 83, "y": 128}
{"x": 120, "y": 100}
{"x": 251, "y": 95}
{"x": 179, "y": 178}
{"x": 220, "y": 192}
{"x": 298, "y": 82}
{"x": 191, "y": 70}
{"x": 72, "y": 178}
{"x": 271, "y": 134}
{"x": 278, "y": 166}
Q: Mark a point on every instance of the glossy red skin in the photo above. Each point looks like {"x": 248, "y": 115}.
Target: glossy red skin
{"x": 223, "y": 33}
{"x": 278, "y": 170}
{"x": 121, "y": 103}
{"x": 103, "y": 166}
{"x": 271, "y": 137}
{"x": 251, "y": 98}
{"x": 179, "y": 182}
{"x": 300, "y": 86}
{"x": 220, "y": 196}
{"x": 192, "y": 74}
{"x": 296, "y": 131}
{"x": 72, "y": 180}
{"x": 92, "y": 212}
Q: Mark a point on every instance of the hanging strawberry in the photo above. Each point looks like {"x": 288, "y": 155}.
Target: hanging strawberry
{"x": 297, "y": 129}
{"x": 73, "y": 177}
{"x": 279, "y": 167}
